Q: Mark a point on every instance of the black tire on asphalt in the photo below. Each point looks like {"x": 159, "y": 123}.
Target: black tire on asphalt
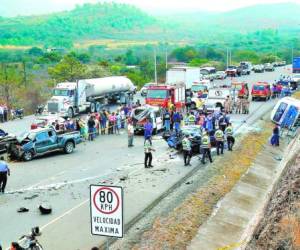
{"x": 27, "y": 156}
{"x": 69, "y": 147}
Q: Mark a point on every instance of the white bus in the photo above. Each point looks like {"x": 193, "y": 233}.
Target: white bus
{"x": 286, "y": 112}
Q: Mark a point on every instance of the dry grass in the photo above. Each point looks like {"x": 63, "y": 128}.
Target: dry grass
{"x": 297, "y": 95}
{"x": 177, "y": 229}
{"x": 14, "y": 47}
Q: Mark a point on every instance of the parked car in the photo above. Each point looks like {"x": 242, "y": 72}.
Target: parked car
{"x": 145, "y": 88}
{"x": 232, "y": 71}
{"x": 261, "y": 90}
{"x": 221, "y": 75}
{"x": 259, "y": 68}
{"x": 44, "y": 121}
{"x": 269, "y": 67}
{"x": 42, "y": 141}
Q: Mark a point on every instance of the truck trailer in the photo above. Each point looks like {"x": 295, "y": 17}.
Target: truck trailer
{"x": 186, "y": 75}
{"x": 89, "y": 95}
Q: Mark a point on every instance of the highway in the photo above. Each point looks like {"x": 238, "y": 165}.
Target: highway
{"x": 63, "y": 180}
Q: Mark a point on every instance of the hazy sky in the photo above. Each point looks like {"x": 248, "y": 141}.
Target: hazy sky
{"x": 27, "y": 7}
{"x": 211, "y": 5}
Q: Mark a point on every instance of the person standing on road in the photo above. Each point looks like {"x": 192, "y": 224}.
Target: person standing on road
{"x": 167, "y": 120}
{"x": 4, "y": 172}
{"x": 177, "y": 120}
{"x": 275, "y": 136}
{"x": 205, "y": 146}
{"x": 91, "y": 128}
{"x": 130, "y": 131}
{"x": 148, "y": 130}
{"x": 1, "y": 114}
{"x": 229, "y": 135}
{"x": 187, "y": 150}
{"x": 219, "y": 136}
{"x": 148, "y": 152}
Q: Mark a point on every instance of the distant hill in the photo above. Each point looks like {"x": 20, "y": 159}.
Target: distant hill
{"x": 126, "y": 22}
{"x": 89, "y": 21}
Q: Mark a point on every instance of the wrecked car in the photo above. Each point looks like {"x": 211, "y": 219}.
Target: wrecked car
{"x": 42, "y": 141}
{"x": 175, "y": 140}
{"x": 5, "y": 141}
{"x": 141, "y": 114}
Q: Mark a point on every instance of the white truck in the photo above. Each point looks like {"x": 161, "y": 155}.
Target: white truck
{"x": 216, "y": 98}
{"x": 89, "y": 95}
{"x": 187, "y": 75}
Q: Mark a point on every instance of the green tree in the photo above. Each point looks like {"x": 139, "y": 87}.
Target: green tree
{"x": 198, "y": 62}
{"x": 69, "y": 69}
{"x": 10, "y": 81}
{"x": 35, "y": 51}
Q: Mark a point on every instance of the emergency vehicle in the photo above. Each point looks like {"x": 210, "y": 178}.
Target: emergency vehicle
{"x": 166, "y": 96}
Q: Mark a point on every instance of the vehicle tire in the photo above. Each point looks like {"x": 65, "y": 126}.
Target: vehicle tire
{"x": 98, "y": 107}
{"x": 70, "y": 113}
{"x": 93, "y": 107}
{"x": 219, "y": 105}
{"x": 27, "y": 156}
{"x": 69, "y": 147}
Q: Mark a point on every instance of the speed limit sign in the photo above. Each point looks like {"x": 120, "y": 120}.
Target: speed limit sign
{"x": 106, "y": 205}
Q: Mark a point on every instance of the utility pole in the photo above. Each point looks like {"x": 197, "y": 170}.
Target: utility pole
{"x": 24, "y": 73}
{"x": 227, "y": 54}
{"x": 155, "y": 66}
{"x": 166, "y": 57}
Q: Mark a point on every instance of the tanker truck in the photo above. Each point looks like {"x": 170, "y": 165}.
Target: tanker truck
{"x": 89, "y": 95}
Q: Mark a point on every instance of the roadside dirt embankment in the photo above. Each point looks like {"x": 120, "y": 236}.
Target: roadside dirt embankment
{"x": 280, "y": 224}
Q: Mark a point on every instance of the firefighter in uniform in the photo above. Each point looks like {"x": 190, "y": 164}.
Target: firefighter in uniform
{"x": 191, "y": 119}
{"x": 229, "y": 135}
{"x": 219, "y": 135}
{"x": 205, "y": 146}
{"x": 187, "y": 150}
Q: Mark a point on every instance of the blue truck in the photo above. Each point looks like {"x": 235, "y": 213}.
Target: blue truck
{"x": 42, "y": 141}
{"x": 296, "y": 65}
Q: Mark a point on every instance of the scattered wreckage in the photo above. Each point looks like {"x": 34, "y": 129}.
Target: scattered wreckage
{"x": 175, "y": 140}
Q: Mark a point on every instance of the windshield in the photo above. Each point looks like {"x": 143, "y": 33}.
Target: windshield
{"x": 157, "y": 93}
{"x": 231, "y": 67}
{"x": 196, "y": 88}
{"x": 259, "y": 87}
{"x": 61, "y": 92}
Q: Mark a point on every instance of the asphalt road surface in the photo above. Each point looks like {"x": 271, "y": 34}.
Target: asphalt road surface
{"x": 63, "y": 180}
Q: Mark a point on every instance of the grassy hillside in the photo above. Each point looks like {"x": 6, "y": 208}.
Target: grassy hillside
{"x": 93, "y": 23}
{"x": 84, "y": 22}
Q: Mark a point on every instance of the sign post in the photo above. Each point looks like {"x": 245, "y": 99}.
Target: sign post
{"x": 106, "y": 207}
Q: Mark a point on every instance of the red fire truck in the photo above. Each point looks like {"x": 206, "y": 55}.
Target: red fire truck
{"x": 166, "y": 96}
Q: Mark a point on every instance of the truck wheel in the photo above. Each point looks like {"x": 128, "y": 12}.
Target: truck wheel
{"x": 27, "y": 156}
{"x": 98, "y": 107}
{"x": 70, "y": 113}
{"x": 69, "y": 147}
{"x": 93, "y": 108}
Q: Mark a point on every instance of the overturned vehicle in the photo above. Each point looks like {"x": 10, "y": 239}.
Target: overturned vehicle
{"x": 175, "y": 140}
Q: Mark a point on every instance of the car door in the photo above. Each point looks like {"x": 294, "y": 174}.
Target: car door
{"x": 52, "y": 145}
{"x": 42, "y": 142}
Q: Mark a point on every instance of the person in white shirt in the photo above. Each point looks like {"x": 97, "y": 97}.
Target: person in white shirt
{"x": 130, "y": 131}
{"x": 1, "y": 113}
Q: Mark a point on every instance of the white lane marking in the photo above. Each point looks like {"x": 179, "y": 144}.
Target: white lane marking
{"x": 64, "y": 214}
{"x": 50, "y": 178}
